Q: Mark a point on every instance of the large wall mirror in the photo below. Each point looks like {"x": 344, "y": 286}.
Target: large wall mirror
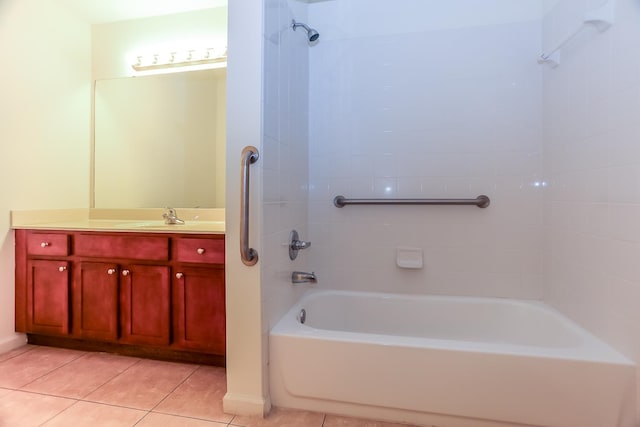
{"x": 160, "y": 141}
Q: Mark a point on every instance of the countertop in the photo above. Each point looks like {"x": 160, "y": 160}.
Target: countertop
{"x": 197, "y": 221}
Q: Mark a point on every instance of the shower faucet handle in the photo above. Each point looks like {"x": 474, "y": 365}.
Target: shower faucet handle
{"x": 295, "y": 245}
{"x": 300, "y": 244}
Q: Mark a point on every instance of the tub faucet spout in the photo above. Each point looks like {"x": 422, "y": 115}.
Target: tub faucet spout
{"x": 302, "y": 277}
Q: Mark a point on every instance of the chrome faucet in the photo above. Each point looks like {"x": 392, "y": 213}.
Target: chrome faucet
{"x": 295, "y": 245}
{"x": 302, "y": 277}
{"x": 171, "y": 217}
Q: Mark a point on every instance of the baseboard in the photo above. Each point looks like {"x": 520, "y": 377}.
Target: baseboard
{"x": 11, "y": 342}
{"x": 242, "y": 404}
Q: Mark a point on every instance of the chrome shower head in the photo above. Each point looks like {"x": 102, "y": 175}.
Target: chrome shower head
{"x": 312, "y": 34}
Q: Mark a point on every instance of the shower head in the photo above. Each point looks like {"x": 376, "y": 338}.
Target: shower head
{"x": 312, "y": 34}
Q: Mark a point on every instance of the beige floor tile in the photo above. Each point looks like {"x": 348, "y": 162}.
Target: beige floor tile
{"x": 165, "y": 420}
{"x": 31, "y": 365}
{"x": 87, "y": 414}
{"x": 279, "y": 417}
{"x": 23, "y": 409}
{"x": 338, "y": 421}
{"x": 200, "y": 396}
{"x": 143, "y": 385}
{"x": 15, "y": 352}
{"x": 81, "y": 376}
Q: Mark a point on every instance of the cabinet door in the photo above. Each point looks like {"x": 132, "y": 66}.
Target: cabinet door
{"x": 199, "y": 309}
{"x": 95, "y": 300}
{"x": 145, "y": 301}
{"x": 48, "y": 297}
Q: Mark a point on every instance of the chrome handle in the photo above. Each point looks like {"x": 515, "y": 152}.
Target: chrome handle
{"x": 125, "y": 272}
{"x": 179, "y": 275}
{"x": 249, "y": 255}
{"x": 295, "y": 245}
{"x": 44, "y": 244}
{"x": 200, "y": 251}
{"x": 61, "y": 269}
{"x": 111, "y": 271}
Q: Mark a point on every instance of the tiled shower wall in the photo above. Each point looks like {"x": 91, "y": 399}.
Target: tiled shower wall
{"x": 423, "y": 104}
{"x": 592, "y": 163}
{"x": 284, "y": 155}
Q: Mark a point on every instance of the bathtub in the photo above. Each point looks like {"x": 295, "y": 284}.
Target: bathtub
{"x": 446, "y": 361}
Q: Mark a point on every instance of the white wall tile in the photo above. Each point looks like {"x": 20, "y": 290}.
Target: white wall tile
{"x": 592, "y": 161}
{"x": 427, "y": 113}
{"x": 285, "y": 156}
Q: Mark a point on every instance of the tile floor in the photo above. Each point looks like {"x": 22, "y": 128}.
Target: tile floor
{"x": 44, "y": 386}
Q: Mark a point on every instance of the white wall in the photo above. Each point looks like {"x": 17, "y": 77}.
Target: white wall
{"x": 436, "y": 100}
{"x": 592, "y": 163}
{"x": 247, "y": 382}
{"x": 45, "y": 113}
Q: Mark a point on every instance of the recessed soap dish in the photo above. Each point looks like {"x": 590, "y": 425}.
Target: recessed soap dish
{"x": 409, "y": 257}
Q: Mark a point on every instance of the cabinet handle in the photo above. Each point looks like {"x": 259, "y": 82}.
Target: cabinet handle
{"x": 111, "y": 271}
{"x": 125, "y": 272}
{"x": 200, "y": 251}
{"x": 62, "y": 268}
{"x": 179, "y": 275}
{"x": 44, "y": 244}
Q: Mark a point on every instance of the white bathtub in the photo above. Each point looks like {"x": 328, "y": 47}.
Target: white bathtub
{"x": 446, "y": 361}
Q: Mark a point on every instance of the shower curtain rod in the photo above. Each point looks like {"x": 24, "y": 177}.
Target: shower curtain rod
{"x": 481, "y": 201}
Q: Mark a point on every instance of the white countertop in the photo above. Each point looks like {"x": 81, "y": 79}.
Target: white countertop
{"x": 200, "y": 221}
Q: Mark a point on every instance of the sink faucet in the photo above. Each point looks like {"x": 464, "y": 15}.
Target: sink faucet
{"x": 302, "y": 277}
{"x": 171, "y": 217}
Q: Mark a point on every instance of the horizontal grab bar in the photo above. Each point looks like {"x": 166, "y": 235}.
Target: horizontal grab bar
{"x": 481, "y": 201}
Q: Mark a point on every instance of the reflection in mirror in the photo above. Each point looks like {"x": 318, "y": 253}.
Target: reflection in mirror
{"x": 160, "y": 141}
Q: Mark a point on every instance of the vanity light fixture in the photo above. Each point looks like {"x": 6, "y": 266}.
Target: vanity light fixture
{"x": 196, "y": 59}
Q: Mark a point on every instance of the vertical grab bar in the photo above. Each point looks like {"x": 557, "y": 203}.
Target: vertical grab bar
{"x": 249, "y": 255}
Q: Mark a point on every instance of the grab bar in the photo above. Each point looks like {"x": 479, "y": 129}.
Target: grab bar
{"x": 249, "y": 255}
{"x": 481, "y": 201}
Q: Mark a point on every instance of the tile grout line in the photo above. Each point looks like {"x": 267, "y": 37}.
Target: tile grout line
{"x": 111, "y": 379}
{"x": 52, "y": 371}
{"x": 59, "y": 413}
{"x": 18, "y": 355}
{"x": 174, "y": 388}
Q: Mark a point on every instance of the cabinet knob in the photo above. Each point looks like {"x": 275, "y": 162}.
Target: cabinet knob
{"x": 200, "y": 251}
{"x": 179, "y": 275}
{"x": 111, "y": 271}
{"x": 62, "y": 268}
{"x": 44, "y": 244}
{"x": 125, "y": 272}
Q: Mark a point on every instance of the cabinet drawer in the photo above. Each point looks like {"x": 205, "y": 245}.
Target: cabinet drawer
{"x": 47, "y": 244}
{"x": 130, "y": 247}
{"x": 209, "y": 251}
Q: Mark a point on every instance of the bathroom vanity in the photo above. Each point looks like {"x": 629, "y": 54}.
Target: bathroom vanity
{"x": 140, "y": 288}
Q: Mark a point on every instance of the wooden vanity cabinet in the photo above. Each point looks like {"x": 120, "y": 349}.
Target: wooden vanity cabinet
{"x": 153, "y": 294}
{"x": 44, "y": 283}
{"x": 199, "y": 295}
{"x": 48, "y": 296}
{"x": 95, "y": 300}
{"x": 145, "y": 305}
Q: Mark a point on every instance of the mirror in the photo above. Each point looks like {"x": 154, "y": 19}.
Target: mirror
{"x": 160, "y": 141}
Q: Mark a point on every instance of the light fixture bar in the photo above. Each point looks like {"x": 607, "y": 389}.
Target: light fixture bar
{"x": 172, "y": 60}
